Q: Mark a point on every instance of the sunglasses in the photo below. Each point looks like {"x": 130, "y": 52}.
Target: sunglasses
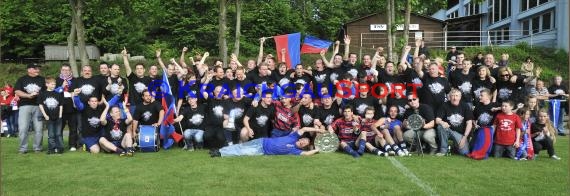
{"x": 506, "y": 75}
{"x": 410, "y": 100}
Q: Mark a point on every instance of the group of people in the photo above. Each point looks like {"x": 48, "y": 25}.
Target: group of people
{"x": 268, "y": 108}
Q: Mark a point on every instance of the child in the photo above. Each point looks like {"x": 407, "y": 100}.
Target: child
{"x": 373, "y": 137}
{"x": 51, "y": 107}
{"x": 526, "y": 151}
{"x": 508, "y": 130}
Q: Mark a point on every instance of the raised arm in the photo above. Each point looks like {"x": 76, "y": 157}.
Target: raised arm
{"x": 103, "y": 118}
{"x": 182, "y": 59}
{"x": 158, "y": 52}
{"x": 283, "y": 59}
{"x": 260, "y": 56}
{"x": 417, "y": 49}
{"x": 235, "y": 59}
{"x": 379, "y": 51}
{"x": 346, "y": 47}
{"x": 126, "y": 61}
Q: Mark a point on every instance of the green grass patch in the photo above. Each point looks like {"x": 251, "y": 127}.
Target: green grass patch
{"x": 178, "y": 172}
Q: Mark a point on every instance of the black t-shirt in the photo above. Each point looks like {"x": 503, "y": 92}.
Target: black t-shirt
{"x": 507, "y": 90}
{"x": 456, "y": 116}
{"x": 147, "y": 114}
{"x": 360, "y": 104}
{"x": 304, "y": 79}
{"x": 463, "y": 83}
{"x": 246, "y": 85}
{"x": 260, "y": 120}
{"x": 336, "y": 74}
{"x": 67, "y": 98}
{"x": 50, "y": 101}
{"x": 174, "y": 85}
{"x": 215, "y": 112}
{"x": 425, "y": 111}
{"x": 346, "y": 67}
{"x": 29, "y": 84}
{"x": 434, "y": 91}
{"x": 115, "y": 131}
{"x": 410, "y": 76}
{"x": 483, "y": 113}
{"x": 137, "y": 86}
{"x": 328, "y": 116}
{"x": 89, "y": 87}
{"x": 194, "y": 117}
{"x": 90, "y": 121}
{"x": 478, "y": 85}
{"x": 259, "y": 80}
{"x": 554, "y": 89}
{"x": 400, "y": 103}
{"x": 321, "y": 77}
{"x": 102, "y": 81}
{"x": 236, "y": 111}
{"x": 536, "y": 127}
{"x": 308, "y": 116}
{"x": 114, "y": 88}
{"x": 189, "y": 88}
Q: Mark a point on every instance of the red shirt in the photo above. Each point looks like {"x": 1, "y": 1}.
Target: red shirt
{"x": 505, "y": 128}
{"x": 344, "y": 130}
{"x": 285, "y": 119}
{"x": 366, "y": 125}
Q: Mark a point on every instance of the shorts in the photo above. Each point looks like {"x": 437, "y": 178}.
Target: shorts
{"x": 393, "y": 124}
{"x": 117, "y": 144}
{"x": 90, "y": 141}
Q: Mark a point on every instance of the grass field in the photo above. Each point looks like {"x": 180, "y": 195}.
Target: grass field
{"x": 177, "y": 172}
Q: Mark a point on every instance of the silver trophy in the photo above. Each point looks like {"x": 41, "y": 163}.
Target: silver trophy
{"x": 326, "y": 142}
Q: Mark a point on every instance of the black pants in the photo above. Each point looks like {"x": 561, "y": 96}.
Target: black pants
{"x": 72, "y": 121}
{"x": 545, "y": 143}
{"x": 214, "y": 136}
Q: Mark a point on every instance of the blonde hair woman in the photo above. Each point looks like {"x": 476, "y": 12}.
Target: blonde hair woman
{"x": 543, "y": 135}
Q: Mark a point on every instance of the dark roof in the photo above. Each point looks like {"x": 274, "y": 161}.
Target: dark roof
{"x": 413, "y": 14}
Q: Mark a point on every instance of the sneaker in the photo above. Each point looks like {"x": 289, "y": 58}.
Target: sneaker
{"x": 555, "y": 157}
{"x": 215, "y": 153}
{"x": 382, "y": 154}
{"x": 191, "y": 149}
{"x": 562, "y": 134}
{"x": 432, "y": 152}
{"x": 84, "y": 148}
{"x": 72, "y": 149}
{"x": 406, "y": 152}
{"x": 391, "y": 153}
{"x": 439, "y": 154}
{"x": 8, "y": 136}
{"x": 130, "y": 152}
{"x": 401, "y": 153}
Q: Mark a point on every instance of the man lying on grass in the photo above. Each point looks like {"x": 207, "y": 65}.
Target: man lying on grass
{"x": 292, "y": 144}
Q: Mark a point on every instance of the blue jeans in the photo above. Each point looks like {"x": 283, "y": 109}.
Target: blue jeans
{"x": 445, "y": 134}
{"x": 279, "y": 133}
{"x": 12, "y": 122}
{"x": 560, "y": 125}
{"x": 251, "y": 148}
{"x": 30, "y": 115}
{"x": 55, "y": 138}
{"x": 193, "y": 134}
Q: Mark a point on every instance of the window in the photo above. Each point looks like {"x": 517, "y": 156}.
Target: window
{"x": 453, "y": 14}
{"x": 529, "y": 4}
{"x": 499, "y": 10}
{"x": 538, "y": 23}
{"x": 471, "y": 9}
{"x": 500, "y": 35}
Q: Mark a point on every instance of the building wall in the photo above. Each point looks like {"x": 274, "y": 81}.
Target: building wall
{"x": 557, "y": 37}
{"x": 360, "y": 30}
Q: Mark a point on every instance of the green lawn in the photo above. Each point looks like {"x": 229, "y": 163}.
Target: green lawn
{"x": 176, "y": 172}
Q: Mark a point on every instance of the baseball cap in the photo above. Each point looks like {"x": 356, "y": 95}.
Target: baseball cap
{"x": 33, "y": 65}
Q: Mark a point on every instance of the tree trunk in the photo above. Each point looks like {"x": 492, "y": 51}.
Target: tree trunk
{"x": 223, "y": 48}
{"x": 0, "y": 45}
{"x": 393, "y": 17}
{"x": 407, "y": 22}
{"x": 71, "y": 42}
{"x": 80, "y": 28}
{"x": 238, "y": 27}
{"x": 389, "y": 28}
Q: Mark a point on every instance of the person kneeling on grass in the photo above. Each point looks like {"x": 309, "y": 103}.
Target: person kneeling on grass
{"x": 347, "y": 128}
{"x": 292, "y": 144}
{"x": 116, "y": 137}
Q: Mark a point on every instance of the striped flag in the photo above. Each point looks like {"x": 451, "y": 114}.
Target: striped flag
{"x": 168, "y": 105}
{"x": 292, "y": 45}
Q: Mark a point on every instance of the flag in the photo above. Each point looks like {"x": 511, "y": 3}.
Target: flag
{"x": 483, "y": 143}
{"x": 292, "y": 45}
{"x": 168, "y": 105}
{"x": 314, "y": 45}
{"x": 554, "y": 110}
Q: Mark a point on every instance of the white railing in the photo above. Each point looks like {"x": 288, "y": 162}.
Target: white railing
{"x": 461, "y": 39}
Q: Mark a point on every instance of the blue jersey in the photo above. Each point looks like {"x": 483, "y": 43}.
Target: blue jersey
{"x": 282, "y": 145}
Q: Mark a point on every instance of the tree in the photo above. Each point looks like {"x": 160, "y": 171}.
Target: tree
{"x": 238, "y": 27}
{"x": 389, "y": 28}
{"x": 407, "y": 22}
{"x": 223, "y": 48}
{"x": 71, "y": 47}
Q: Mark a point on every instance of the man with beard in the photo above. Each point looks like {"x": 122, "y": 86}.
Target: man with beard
{"x": 455, "y": 120}
{"x": 435, "y": 87}
{"x": 28, "y": 88}
{"x": 257, "y": 120}
{"x": 149, "y": 112}
{"x": 138, "y": 82}
{"x": 309, "y": 113}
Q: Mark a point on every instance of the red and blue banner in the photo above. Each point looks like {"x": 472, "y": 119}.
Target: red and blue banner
{"x": 292, "y": 45}
{"x": 483, "y": 143}
{"x": 313, "y": 45}
{"x": 168, "y": 105}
